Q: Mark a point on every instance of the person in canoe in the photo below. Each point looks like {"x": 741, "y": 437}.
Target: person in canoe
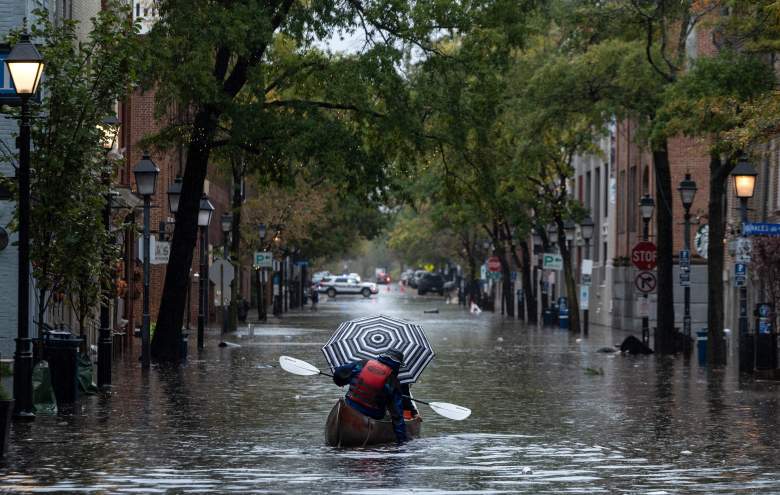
{"x": 374, "y": 388}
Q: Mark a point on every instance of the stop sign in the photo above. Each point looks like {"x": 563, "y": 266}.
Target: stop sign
{"x": 494, "y": 264}
{"x": 643, "y": 256}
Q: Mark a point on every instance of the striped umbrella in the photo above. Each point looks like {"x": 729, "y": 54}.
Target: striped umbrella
{"x": 366, "y": 338}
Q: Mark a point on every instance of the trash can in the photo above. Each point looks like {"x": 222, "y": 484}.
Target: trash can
{"x": 185, "y": 345}
{"x": 61, "y": 349}
{"x": 547, "y": 317}
{"x": 563, "y": 313}
{"x": 701, "y": 346}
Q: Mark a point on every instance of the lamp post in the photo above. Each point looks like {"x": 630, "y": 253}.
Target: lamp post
{"x": 646, "y": 207}
{"x": 205, "y": 211}
{"x": 226, "y": 222}
{"x": 687, "y": 193}
{"x": 586, "y": 227}
{"x": 25, "y": 65}
{"x": 146, "y": 182}
{"x": 109, "y": 129}
{"x": 744, "y": 186}
{"x": 261, "y": 313}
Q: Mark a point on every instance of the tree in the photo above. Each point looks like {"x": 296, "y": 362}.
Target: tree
{"x": 70, "y": 169}
{"x": 227, "y": 64}
{"x": 707, "y": 102}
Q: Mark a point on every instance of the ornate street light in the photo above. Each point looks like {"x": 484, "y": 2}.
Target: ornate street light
{"x": 146, "y": 172}
{"x": 687, "y": 194}
{"x": 109, "y": 130}
{"x": 552, "y": 233}
{"x": 25, "y": 65}
{"x": 744, "y": 179}
{"x": 744, "y": 187}
{"x": 205, "y": 212}
{"x": 174, "y": 195}
{"x": 646, "y": 207}
{"x": 569, "y": 227}
{"x": 586, "y": 227}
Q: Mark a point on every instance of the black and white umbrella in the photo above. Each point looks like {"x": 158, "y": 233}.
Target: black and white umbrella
{"x": 366, "y": 338}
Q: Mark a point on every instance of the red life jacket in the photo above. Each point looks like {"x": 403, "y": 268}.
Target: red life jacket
{"x": 367, "y": 388}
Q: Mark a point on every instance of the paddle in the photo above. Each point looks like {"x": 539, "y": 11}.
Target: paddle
{"x": 302, "y": 368}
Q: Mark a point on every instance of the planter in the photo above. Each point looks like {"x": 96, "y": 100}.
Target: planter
{"x": 6, "y": 413}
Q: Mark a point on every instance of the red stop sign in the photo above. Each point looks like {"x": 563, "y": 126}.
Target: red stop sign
{"x": 494, "y": 264}
{"x": 643, "y": 256}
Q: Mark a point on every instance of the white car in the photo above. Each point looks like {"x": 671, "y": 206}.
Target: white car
{"x": 346, "y": 285}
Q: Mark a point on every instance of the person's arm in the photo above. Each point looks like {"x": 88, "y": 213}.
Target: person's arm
{"x": 343, "y": 374}
{"x": 395, "y": 406}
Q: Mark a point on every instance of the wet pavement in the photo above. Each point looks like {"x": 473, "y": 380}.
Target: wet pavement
{"x": 550, "y": 415}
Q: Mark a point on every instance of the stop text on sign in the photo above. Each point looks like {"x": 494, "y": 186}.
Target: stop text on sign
{"x": 643, "y": 256}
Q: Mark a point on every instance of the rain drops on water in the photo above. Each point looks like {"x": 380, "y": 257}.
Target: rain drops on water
{"x": 527, "y": 470}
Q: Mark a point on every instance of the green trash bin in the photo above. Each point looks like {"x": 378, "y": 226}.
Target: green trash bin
{"x": 60, "y": 350}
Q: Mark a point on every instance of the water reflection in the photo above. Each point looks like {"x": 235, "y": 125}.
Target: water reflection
{"x": 542, "y": 423}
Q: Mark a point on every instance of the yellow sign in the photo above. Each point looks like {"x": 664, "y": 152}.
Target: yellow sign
{"x": 429, "y": 267}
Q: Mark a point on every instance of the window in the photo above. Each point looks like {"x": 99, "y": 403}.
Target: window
{"x": 341, "y": 280}
{"x": 623, "y": 204}
{"x": 633, "y": 199}
{"x": 596, "y": 214}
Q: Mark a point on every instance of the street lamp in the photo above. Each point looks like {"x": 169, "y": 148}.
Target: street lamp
{"x": 261, "y": 314}
{"x": 646, "y": 207}
{"x": 226, "y": 222}
{"x": 205, "y": 211}
{"x": 109, "y": 130}
{"x": 744, "y": 187}
{"x": 174, "y": 195}
{"x": 25, "y": 65}
{"x": 569, "y": 227}
{"x": 552, "y": 234}
{"x": 146, "y": 173}
{"x": 586, "y": 227}
{"x": 687, "y": 193}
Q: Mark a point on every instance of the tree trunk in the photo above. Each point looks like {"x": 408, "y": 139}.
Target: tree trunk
{"x": 235, "y": 246}
{"x": 664, "y": 334}
{"x": 506, "y": 285}
{"x": 167, "y": 336}
{"x": 716, "y": 346}
{"x": 568, "y": 274}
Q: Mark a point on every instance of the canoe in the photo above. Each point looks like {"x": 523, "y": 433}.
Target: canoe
{"x": 346, "y": 427}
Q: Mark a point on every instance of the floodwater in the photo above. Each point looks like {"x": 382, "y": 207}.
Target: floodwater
{"x": 550, "y": 415}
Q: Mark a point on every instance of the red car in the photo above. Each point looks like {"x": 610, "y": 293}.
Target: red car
{"x": 383, "y": 278}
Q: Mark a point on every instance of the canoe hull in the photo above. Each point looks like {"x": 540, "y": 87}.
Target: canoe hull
{"x": 346, "y": 427}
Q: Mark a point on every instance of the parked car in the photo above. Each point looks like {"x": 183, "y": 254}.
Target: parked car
{"x": 405, "y": 276}
{"x": 413, "y": 280}
{"x": 430, "y": 282}
{"x": 333, "y": 286}
{"x": 383, "y": 278}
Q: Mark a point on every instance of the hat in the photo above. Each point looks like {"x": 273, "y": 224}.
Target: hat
{"x": 394, "y": 355}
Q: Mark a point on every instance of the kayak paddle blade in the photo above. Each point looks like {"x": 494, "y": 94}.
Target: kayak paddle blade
{"x": 297, "y": 367}
{"x": 450, "y": 411}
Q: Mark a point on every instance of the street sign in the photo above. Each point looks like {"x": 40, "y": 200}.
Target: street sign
{"x": 645, "y": 282}
{"x": 552, "y": 261}
{"x": 584, "y": 297}
{"x": 685, "y": 260}
{"x": 644, "y": 307}
{"x": 494, "y": 275}
{"x": 587, "y": 280}
{"x": 766, "y": 229}
{"x": 264, "y": 259}
{"x": 587, "y": 267}
{"x": 744, "y": 249}
{"x": 740, "y": 275}
{"x": 643, "y": 256}
{"x": 494, "y": 264}
{"x": 685, "y": 278}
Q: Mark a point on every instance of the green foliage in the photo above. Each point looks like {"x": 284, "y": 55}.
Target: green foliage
{"x": 70, "y": 170}
{"x": 709, "y": 99}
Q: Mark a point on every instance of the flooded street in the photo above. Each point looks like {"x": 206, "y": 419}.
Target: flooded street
{"x": 545, "y": 419}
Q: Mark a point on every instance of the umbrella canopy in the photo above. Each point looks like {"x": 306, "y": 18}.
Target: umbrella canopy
{"x": 366, "y": 338}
